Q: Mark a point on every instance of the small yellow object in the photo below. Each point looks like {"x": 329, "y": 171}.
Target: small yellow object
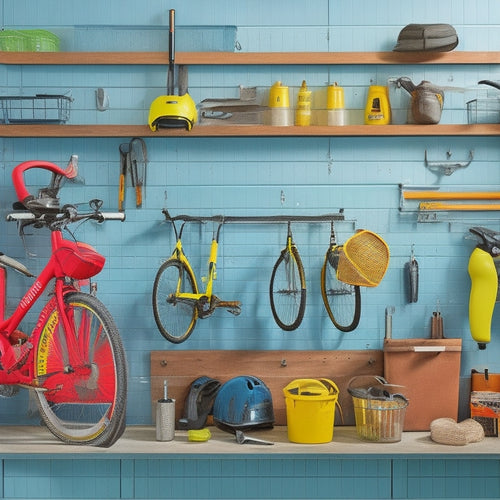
{"x": 199, "y": 435}
{"x": 303, "y": 111}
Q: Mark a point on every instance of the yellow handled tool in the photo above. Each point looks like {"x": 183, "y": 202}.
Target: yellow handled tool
{"x": 436, "y": 205}
{"x": 483, "y": 295}
{"x": 124, "y": 150}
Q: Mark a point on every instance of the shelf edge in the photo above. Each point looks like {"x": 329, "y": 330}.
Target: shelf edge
{"x": 62, "y": 131}
{"x": 249, "y": 58}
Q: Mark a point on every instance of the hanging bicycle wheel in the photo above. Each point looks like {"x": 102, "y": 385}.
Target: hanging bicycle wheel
{"x": 287, "y": 289}
{"x": 342, "y": 301}
{"x": 83, "y": 374}
{"x": 174, "y": 316}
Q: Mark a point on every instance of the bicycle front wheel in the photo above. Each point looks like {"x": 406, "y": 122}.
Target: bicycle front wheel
{"x": 287, "y": 290}
{"x": 174, "y": 316}
{"x": 82, "y": 374}
{"x": 342, "y": 301}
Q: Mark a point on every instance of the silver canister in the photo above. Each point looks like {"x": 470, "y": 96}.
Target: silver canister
{"x": 165, "y": 417}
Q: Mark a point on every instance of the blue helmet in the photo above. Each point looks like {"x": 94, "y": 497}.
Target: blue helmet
{"x": 243, "y": 402}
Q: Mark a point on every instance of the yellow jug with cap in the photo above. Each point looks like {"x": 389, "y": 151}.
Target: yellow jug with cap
{"x": 279, "y": 102}
{"x": 378, "y": 109}
{"x": 279, "y": 96}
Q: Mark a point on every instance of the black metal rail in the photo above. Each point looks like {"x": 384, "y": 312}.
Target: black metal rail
{"x": 256, "y": 219}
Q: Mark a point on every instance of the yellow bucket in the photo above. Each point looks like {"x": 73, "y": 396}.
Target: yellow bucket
{"x": 310, "y": 410}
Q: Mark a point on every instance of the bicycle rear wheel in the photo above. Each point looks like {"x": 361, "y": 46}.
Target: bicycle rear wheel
{"x": 342, "y": 301}
{"x": 174, "y": 317}
{"x": 287, "y": 290}
{"x": 83, "y": 374}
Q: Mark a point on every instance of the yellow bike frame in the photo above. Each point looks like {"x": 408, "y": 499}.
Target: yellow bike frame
{"x": 179, "y": 254}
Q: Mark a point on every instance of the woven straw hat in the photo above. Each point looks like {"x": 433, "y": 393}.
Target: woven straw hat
{"x": 363, "y": 259}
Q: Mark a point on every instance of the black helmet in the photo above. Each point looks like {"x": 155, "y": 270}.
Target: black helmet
{"x": 199, "y": 403}
{"x": 243, "y": 402}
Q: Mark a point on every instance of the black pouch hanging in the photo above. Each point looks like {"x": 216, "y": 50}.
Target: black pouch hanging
{"x": 411, "y": 279}
{"x": 427, "y": 37}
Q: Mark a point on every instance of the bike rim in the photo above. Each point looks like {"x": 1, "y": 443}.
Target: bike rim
{"x": 174, "y": 317}
{"x": 288, "y": 290}
{"x": 83, "y": 378}
{"x": 342, "y": 301}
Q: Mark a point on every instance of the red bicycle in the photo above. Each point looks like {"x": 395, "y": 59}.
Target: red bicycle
{"x": 73, "y": 359}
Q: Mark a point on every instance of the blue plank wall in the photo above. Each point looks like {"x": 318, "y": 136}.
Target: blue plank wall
{"x": 259, "y": 176}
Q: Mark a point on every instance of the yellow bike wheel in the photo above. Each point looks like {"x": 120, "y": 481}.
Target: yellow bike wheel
{"x": 175, "y": 316}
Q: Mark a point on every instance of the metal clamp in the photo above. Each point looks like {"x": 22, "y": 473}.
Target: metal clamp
{"x": 447, "y": 168}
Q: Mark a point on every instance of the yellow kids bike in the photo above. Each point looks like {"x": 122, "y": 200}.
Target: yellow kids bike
{"x": 177, "y": 301}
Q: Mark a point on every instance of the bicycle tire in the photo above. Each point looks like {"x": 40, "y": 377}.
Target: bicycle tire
{"x": 287, "y": 290}
{"x": 82, "y": 378}
{"x": 342, "y": 301}
{"x": 175, "y": 319}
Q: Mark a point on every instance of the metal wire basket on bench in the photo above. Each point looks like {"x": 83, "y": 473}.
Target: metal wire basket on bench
{"x": 40, "y": 108}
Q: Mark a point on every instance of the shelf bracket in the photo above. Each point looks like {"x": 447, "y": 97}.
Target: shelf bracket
{"x": 448, "y": 167}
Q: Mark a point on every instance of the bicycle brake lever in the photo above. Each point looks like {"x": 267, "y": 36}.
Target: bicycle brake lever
{"x": 21, "y": 225}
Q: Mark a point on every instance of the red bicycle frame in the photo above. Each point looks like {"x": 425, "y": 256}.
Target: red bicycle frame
{"x": 69, "y": 259}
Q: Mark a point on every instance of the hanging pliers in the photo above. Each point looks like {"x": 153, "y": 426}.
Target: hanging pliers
{"x": 133, "y": 159}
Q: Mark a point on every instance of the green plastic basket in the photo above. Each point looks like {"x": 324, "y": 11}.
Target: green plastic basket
{"x": 14, "y": 41}
{"x": 42, "y": 41}
{"x": 28, "y": 41}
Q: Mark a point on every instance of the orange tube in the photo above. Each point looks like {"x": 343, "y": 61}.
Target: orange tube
{"x": 450, "y": 195}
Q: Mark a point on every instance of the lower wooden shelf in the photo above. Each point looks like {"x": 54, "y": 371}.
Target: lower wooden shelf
{"x": 30, "y": 442}
{"x": 41, "y": 130}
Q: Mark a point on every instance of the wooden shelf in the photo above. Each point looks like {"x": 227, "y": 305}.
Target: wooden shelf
{"x": 40, "y": 130}
{"x": 248, "y": 58}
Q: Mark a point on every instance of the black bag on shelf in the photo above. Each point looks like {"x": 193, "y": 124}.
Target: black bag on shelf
{"x": 427, "y": 37}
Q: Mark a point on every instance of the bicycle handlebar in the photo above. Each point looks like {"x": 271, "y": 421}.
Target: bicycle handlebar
{"x": 67, "y": 215}
{"x": 23, "y": 195}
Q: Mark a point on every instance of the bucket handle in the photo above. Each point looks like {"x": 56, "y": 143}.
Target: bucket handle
{"x": 329, "y": 384}
{"x": 319, "y": 383}
{"x": 378, "y": 378}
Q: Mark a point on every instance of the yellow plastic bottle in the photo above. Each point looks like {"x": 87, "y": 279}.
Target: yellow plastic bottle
{"x": 279, "y": 104}
{"x": 483, "y": 293}
{"x": 336, "y": 114}
{"x": 303, "y": 110}
{"x": 377, "y": 110}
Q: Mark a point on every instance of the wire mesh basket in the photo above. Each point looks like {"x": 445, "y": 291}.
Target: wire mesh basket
{"x": 379, "y": 408}
{"x": 483, "y": 111}
{"x": 40, "y": 108}
{"x": 380, "y": 420}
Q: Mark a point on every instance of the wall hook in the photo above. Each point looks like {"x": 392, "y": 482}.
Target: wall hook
{"x": 448, "y": 167}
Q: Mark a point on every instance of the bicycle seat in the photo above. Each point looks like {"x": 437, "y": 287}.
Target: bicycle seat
{"x": 490, "y": 240}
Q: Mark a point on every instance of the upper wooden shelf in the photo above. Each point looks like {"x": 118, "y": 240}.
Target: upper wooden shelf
{"x": 249, "y": 58}
{"x": 41, "y": 130}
